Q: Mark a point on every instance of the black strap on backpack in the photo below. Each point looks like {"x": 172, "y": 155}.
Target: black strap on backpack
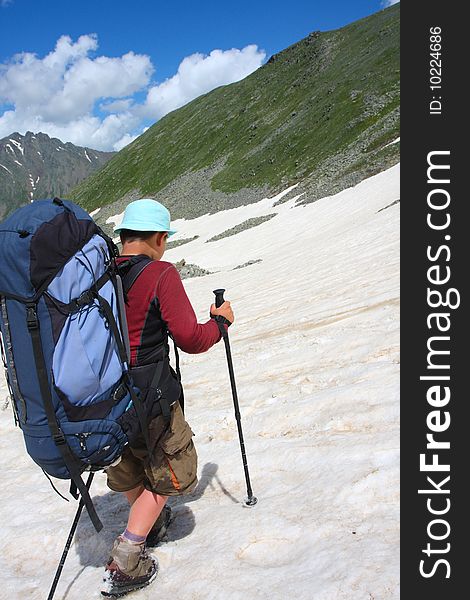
{"x": 72, "y": 464}
{"x": 136, "y": 401}
{"x": 130, "y": 270}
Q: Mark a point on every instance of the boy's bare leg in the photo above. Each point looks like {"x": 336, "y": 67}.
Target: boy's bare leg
{"x": 133, "y": 494}
{"x": 145, "y": 509}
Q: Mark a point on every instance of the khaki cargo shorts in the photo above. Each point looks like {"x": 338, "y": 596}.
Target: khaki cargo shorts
{"x": 174, "y": 458}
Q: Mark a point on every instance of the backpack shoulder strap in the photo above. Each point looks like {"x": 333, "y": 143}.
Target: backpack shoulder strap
{"x": 130, "y": 270}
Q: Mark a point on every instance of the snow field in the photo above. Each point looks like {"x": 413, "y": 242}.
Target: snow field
{"x": 316, "y": 355}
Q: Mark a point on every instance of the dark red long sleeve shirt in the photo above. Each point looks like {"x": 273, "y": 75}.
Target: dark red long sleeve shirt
{"x": 161, "y": 280}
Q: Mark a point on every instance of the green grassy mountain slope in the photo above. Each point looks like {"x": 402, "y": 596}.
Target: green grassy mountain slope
{"x": 322, "y": 112}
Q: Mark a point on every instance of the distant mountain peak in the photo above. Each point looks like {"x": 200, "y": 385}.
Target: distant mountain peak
{"x": 34, "y": 166}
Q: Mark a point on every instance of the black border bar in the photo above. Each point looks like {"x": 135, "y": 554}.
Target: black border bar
{"x": 435, "y": 427}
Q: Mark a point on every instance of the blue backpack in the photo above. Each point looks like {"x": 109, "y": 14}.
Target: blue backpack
{"x": 64, "y": 341}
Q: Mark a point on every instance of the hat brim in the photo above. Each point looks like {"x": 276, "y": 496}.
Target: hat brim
{"x": 138, "y": 227}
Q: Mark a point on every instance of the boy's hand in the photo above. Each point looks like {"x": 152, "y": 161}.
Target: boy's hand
{"x": 224, "y": 310}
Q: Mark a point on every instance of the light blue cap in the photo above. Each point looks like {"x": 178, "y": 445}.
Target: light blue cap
{"x": 146, "y": 215}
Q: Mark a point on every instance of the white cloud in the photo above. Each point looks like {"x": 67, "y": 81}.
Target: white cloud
{"x": 63, "y": 93}
{"x": 65, "y": 85}
{"x": 31, "y": 83}
{"x": 88, "y": 130}
{"x": 5, "y": 3}
{"x": 198, "y": 74}
{"x": 387, "y": 3}
{"x": 116, "y": 106}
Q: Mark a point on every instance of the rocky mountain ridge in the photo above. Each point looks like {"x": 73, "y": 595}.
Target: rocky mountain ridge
{"x": 35, "y": 166}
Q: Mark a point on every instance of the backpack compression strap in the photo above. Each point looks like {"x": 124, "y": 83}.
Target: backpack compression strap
{"x": 57, "y": 435}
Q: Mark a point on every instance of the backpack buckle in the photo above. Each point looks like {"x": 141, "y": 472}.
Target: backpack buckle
{"x": 32, "y": 318}
{"x": 85, "y": 298}
{"x": 59, "y": 438}
{"x": 119, "y": 393}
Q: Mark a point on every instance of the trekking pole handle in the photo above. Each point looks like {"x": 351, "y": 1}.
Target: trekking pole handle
{"x": 219, "y": 300}
{"x": 219, "y": 297}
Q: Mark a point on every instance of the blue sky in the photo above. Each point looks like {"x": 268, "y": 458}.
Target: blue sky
{"x": 98, "y": 72}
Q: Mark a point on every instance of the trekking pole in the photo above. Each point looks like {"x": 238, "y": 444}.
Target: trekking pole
{"x": 219, "y": 300}
{"x": 69, "y": 540}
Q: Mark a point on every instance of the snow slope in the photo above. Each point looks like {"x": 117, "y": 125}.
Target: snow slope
{"x": 316, "y": 355}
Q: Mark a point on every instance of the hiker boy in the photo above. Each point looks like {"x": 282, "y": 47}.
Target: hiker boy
{"x": 156, "y": 304}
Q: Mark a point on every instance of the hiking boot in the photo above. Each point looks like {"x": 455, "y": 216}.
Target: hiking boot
{"x": 129, "y": 568}
{"x": 159, "y": 528}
